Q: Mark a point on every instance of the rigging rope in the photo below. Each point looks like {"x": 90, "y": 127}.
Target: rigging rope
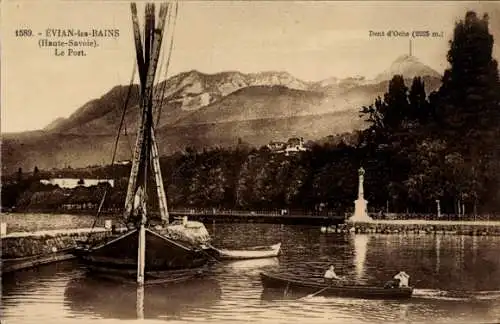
{"x": 128, "y": 139}
{"x": 131, "y": 84}
{"x": 171, "y": 46}
{"x": 127, "y": 99}
{"x": 126, "y": 104}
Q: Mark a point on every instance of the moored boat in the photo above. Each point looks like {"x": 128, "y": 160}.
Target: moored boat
{"x": 151, "y": 245}
{"x": 319, "y": 287}
{"x": 256, "y": 252}
{"x": 119, "y": 256}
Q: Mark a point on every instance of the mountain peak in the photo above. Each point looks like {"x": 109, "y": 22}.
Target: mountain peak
{"x": 409, "y": 67}
{"x": 406, "y": 58}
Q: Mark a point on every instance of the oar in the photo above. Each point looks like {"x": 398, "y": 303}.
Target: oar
{"x": 321, "y": 290}
{"x": 318, "y": 292}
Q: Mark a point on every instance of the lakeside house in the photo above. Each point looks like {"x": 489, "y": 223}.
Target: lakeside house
{"x": 71, "y": 183}
{"x": 276, "y": 146}
{"x": 123, "y": 162}
{"x": 293, "y": 145}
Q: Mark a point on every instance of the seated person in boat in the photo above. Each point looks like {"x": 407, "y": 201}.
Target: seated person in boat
{"x": 400, "y": 280}
{"x": 330, "y": 274}
{"x": 392, "y": 284}
{"x": 403, "y": 278}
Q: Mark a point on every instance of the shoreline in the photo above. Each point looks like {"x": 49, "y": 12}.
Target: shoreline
{"x": 27, "y": 249}
{"x": 416, "y": 222}
{"x": 34, "y": 222}
{"x": 436, "y": 227}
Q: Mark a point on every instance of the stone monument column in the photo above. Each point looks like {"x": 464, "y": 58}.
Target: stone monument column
{"x": 361, "y": 191}
{"x": 360, "y": 204}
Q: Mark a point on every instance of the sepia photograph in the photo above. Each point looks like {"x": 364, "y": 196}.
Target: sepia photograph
{"x": 250, "y": 161}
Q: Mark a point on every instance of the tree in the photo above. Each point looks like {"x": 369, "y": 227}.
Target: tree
{"x": 396, "y": 100}
{"x": 468, "y": 104}
{"x": 386, "y": 116}
{"x": 19, "y": 175}
{"x": 375, "y": 115}
{"x": 418, "y": 105}
{"x": 468, "y": 100}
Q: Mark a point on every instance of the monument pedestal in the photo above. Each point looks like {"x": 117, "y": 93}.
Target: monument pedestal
{"x": 360, "y": 211}
{"x": 360, "y": 205}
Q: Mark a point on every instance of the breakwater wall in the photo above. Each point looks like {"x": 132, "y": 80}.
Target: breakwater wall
{"x": 260, "y": 218}
{"x": 418, "y": 227}
{"x": 28, "y": 249}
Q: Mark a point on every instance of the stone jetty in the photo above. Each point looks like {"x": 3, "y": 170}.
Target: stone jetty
{"x": 417, "y": 227}
{"x": 22, "y": 250}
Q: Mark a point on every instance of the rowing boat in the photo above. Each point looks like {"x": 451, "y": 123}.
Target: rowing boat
{"x": 256, "y": 252}
{"x": 336, "y": 289}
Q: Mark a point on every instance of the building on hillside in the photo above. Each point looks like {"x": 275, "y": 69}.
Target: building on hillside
{"x": 276, "y": 146}
{"x": 71, "y": 183}
{"x": 293, "y": 145}
{"x": 123, "y": 162}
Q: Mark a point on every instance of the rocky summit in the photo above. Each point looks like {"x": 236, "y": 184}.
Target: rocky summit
{"x": 201, "y": 110}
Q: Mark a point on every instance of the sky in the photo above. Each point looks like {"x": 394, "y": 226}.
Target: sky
{"x": 312, "y": 40}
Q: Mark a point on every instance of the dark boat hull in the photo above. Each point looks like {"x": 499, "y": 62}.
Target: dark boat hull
{"x": 354, "y": 291}
{"x": 163, "y": 256}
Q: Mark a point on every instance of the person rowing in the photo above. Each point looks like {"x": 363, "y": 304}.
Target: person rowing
{"x": 403, "y": 278}
{"x": 400, "y": 280}
{"x": 330, "y": 274}
{"x": 330, "y": 277}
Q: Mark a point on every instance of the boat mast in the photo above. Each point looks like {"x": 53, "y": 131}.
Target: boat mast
{"x": 147, "y": 62}
{"x": 145, "y": 148}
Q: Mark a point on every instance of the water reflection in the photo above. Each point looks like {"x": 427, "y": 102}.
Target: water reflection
{"x": 360, "y": 250}
{"x": 30, "y": 280}
{"x": 430, "y": 309}
{"x": 276, "y": 294}
{"x": 90, "y": 295}
{"x": 456, "y": 279}
{"x": 438, "y": 253}
{"x": 140, "y": 302}
{"x": 404, "y": 312}
{"x": 474, "y": 249}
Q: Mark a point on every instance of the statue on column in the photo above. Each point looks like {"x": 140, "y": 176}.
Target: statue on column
{"x": 360, "y": 205}
{"x": 361, "y": 174}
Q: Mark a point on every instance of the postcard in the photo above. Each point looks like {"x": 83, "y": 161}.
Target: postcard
{"x": 250, "y": 161}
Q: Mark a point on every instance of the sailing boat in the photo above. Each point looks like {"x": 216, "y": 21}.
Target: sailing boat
{"x": 148, "y": 251}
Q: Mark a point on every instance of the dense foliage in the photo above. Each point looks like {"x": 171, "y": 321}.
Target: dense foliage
{"x": 419, "y": 148}
{"x": 444, "y": 146}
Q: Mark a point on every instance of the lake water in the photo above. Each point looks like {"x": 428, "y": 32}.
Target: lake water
{"x": 457, "y": 280}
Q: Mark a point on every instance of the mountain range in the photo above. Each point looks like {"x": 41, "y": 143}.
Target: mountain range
{"x": 202, "y": 110}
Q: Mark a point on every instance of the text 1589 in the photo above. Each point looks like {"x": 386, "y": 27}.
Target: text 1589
{"x": 24, "y": 33}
